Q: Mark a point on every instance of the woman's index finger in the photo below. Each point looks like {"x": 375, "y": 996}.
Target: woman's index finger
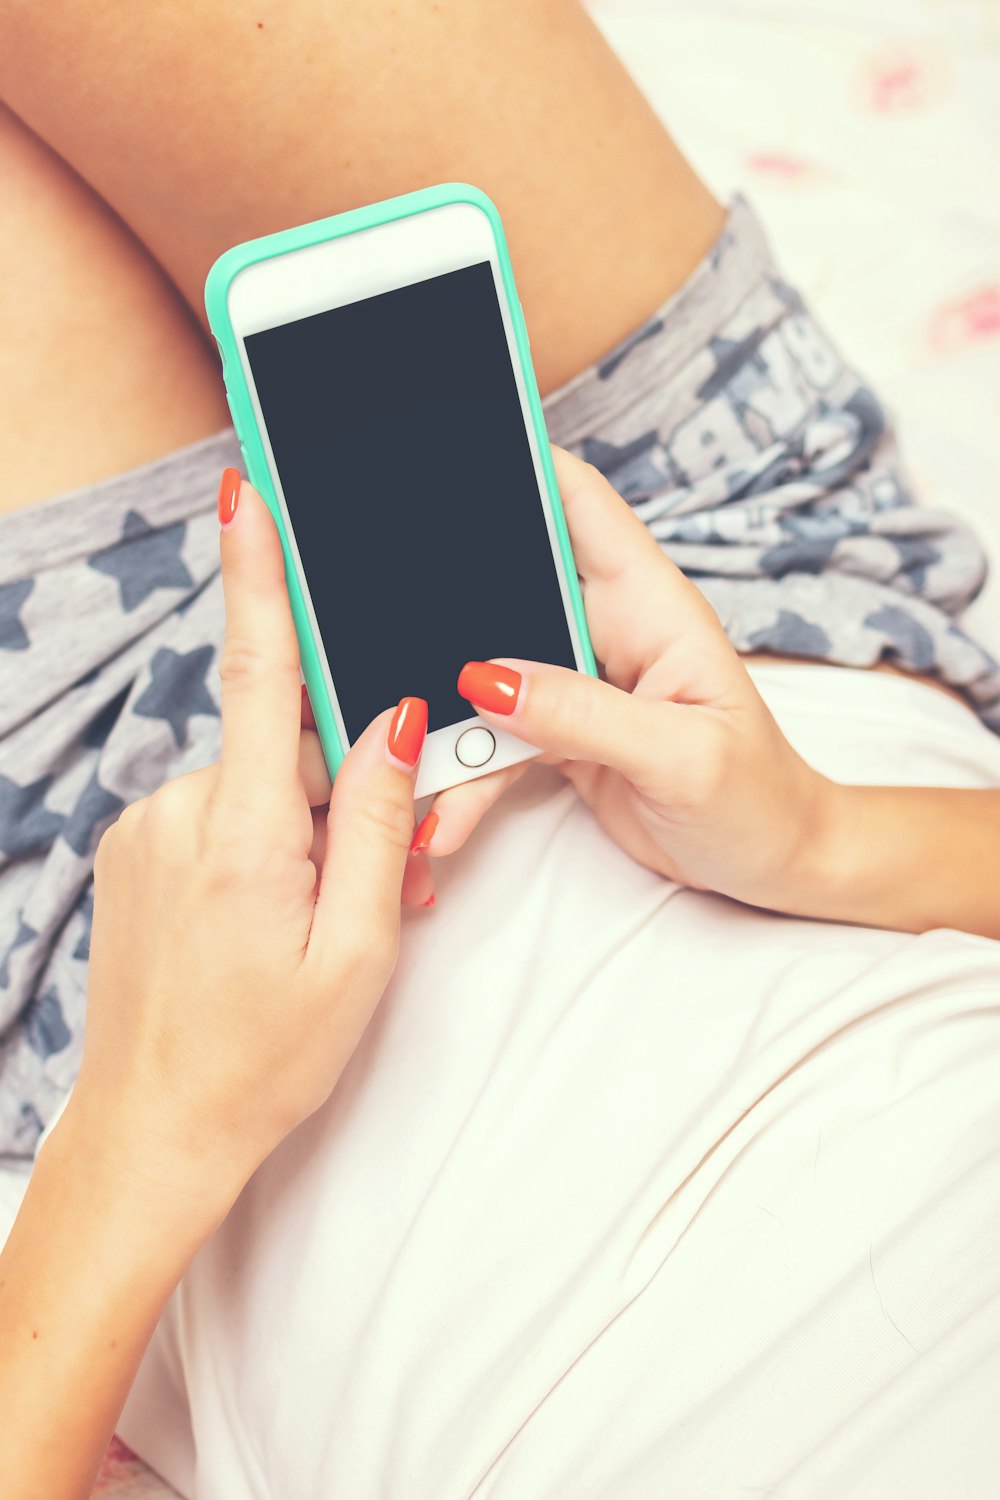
{"x": 259, "y": 665}
{"x": 638, "y": 603}
{"x": 607, "y": 537}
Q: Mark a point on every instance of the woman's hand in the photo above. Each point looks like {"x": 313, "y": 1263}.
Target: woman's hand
{"x": 240, "y": 945}
{"x": 233, "y": 967}
{"x": 675, "y": 751}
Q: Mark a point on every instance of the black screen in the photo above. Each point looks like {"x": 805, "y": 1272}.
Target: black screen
{"x": 397, "y": 432}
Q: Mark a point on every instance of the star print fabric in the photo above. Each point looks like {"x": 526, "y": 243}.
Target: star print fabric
{"x": 764, "y": 466}
{"x": 110, "y": 619}
{"x": 768, "y": 471}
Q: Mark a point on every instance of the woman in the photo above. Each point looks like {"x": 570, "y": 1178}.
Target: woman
{"x": 605, "y": 1116}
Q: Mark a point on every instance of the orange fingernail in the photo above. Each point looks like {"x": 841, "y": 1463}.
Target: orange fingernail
{"x": 424, "y": 834}
{"x": 408, "y": 730}
{"x": 229, "y": 496}
{"x": 491, "y": 687}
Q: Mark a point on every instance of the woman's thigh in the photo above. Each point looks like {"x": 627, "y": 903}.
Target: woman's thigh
{"x": 102, "y": 366}
{"x": 206, "y": 123}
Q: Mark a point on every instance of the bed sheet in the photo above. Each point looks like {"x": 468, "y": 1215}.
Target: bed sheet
{"x": 868, "y": 137}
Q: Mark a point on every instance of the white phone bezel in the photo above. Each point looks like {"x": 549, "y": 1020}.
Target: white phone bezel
{"x": 348, "y": 269}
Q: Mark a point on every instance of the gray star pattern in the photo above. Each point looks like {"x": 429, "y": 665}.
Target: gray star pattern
{"x": 648, "y": 331}
{"x": 96, "y": 807}
{"x": 791, "y": 635}
{"x": 631, "y": 467}
{"x": 25, "y": 821}
{"x": 82, "y": 949}
{"x": 24, "y": 934}
{"x": 29, "y": 1128}
{"x": 177, "y": 690}
{"x": 45, "y": 1025}
{"x": 13, "y": 636}
{"x": 729, "y": 355}
{"x": 911, "y": 642}
{"x": 101, "y": 725}
{"x": 145, "y": 559}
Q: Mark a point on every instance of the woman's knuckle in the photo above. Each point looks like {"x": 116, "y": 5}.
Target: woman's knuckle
{"x": 706, "y": 766}
{"x": 244, "y": 662}
{"x": 167, "y": 807}
{"x": 226, "y": 853}
{"x": 364, "y": 947}
{"x": 579, "y": 709}
{"x": 121, "y": 835}
{"x": 388, "y": 818}
{"x": 129, "y": 821}
{"x": 106, "y": 851}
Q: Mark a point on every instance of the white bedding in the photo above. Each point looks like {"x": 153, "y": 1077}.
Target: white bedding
{"x": 626, "y": 1187}
{"x": 13, "y": 1181}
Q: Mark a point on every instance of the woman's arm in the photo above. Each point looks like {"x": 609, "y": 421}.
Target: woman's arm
{"x": 100, "y": 1243}
{"x": 909, "y": 858}
{"x": 238, "y": 953}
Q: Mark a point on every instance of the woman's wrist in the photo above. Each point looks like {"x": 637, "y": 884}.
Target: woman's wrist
{"x": 167, "y": 1187}
{"x": 822, "y": 879}
{"x": 811, "y": 871}
{"x": 101, "y": 1241}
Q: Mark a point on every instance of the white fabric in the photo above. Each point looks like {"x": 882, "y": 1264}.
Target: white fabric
{"x": 13, "y": 1183}
{"x": 629, "y": 1191}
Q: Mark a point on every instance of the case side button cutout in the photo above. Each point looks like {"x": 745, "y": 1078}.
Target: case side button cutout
{"x": 232, "y": 413}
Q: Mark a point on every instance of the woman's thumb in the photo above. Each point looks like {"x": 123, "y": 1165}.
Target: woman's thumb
{"x": 568, "y": 714}
{"x": 369, "y": 830}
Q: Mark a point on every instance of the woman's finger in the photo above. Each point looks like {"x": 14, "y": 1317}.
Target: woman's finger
{"x": 638, "y": 603}
{"x": 576, "y": 717}
{"x": 418, "y": 882}
{"x": 369, "y": 833}
{"x": 455, "y": 813}
{"x": 607, "y": 537}
{"x": 313, "y": 769}
{"x": 259, "y": 666}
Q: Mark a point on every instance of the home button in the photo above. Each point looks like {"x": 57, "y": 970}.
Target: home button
{"x": 475, "y": 747}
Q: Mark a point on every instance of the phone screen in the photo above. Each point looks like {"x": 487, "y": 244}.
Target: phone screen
{"x": 397, "y": 431}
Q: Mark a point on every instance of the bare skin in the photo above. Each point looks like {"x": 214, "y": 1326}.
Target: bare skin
{"x": 102, "y": 367}
{"x": 205, "y": 124}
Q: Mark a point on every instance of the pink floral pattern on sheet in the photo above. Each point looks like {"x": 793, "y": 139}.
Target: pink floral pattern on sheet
{"x": 972, "y": 319}
{"x": 780, "y": 165}
{"x": 126, "y": 1477}
{"x": 901, "y": 81}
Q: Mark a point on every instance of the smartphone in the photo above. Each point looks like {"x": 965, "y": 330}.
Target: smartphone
{"x": 379, "y": 376}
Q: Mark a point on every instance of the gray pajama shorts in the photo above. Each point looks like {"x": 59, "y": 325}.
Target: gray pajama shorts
{"x": 762, "y": 463}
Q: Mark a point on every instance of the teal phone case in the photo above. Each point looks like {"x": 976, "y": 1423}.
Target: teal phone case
{"x": 217, "y": 286}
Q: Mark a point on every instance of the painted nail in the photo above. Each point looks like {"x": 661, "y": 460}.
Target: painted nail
{"x": 424, "y": 834}
{"x": 408, "y": 730}
{"x": 430, "y": 900}
{"x": 229, "y": 496}
{"x": 491, "y": 687}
